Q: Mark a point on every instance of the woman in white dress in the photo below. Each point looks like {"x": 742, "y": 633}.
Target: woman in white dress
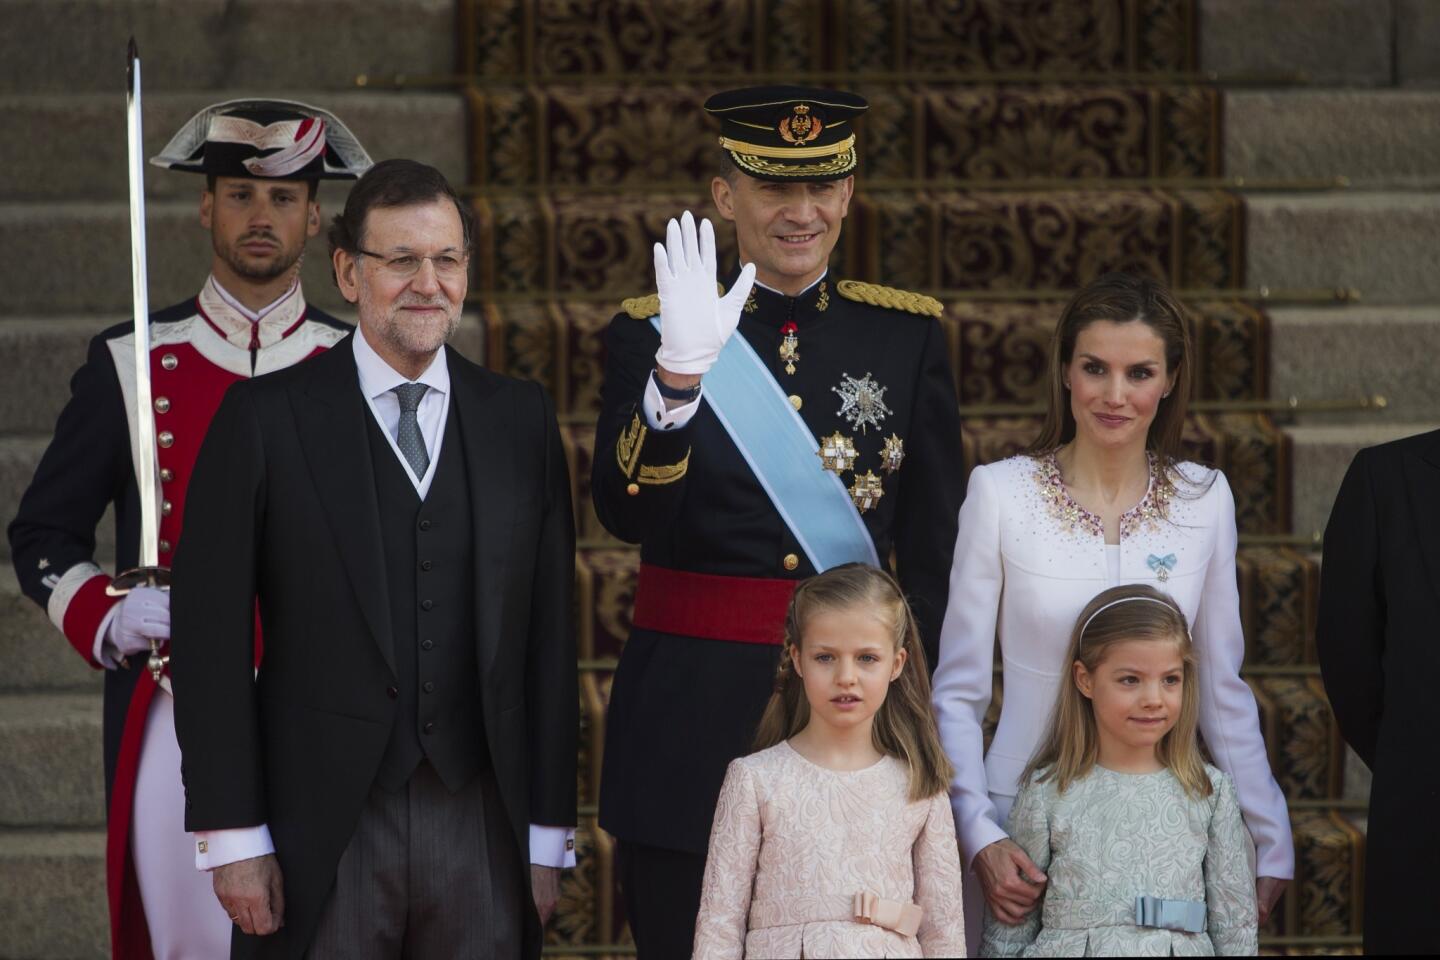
{"x": 1100, "y": 499}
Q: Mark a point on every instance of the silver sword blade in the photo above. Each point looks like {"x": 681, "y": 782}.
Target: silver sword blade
{"x": 145, "y": 415}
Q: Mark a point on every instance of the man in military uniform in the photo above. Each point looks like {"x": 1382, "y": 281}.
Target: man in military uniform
{"x": 824, "y": 431}
{"x": 262, "y": 160}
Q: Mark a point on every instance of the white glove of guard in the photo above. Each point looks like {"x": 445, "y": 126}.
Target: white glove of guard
{"x": 143, "y": 614}
{"x": 695, "y": 321}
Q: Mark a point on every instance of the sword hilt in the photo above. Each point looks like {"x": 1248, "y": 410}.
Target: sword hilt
{"x": 157, "y": 577}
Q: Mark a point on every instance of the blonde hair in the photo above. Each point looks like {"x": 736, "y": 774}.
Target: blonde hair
{"x": 904, "y": 725}
{"x": 1072, "y": 746}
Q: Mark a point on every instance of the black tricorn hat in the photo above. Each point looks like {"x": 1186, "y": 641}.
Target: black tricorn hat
{"x": 789, "y": 133}
{"x": 268, "y": 140}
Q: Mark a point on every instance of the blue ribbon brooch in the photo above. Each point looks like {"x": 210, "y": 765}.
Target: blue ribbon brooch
{"x": 1161, "y": 565}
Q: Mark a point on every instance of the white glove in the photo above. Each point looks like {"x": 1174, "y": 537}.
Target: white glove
{"x": 695, "y": 321}
{"x": 143, "y": 614}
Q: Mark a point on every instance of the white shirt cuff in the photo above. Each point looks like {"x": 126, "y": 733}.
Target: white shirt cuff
{"x": 552, "y": 846}
{"x": 215, "y": 848}
{"x": 660, "y": 418}
{"x": 104, "y": 651}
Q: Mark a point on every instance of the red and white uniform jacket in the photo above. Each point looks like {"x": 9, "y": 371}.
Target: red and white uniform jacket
{"x": 198, "y": 349}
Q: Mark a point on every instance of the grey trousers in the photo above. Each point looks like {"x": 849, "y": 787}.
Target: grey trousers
{"x": 428, "y": 874}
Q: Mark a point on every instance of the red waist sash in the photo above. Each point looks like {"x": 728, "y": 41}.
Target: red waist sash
{"x": 712, "y": 607}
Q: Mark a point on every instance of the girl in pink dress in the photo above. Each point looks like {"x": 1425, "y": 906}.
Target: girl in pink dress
{"x": 836, "y": 838}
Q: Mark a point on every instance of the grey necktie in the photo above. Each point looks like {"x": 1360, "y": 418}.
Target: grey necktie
{"x": 407, "y": 435}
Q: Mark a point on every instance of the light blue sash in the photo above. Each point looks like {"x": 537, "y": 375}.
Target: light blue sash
{"x": 782, "y": 453}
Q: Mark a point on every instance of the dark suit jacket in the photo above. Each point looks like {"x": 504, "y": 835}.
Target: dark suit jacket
{"x": 283, "y": 510}
{"x": 1379, "y": 645}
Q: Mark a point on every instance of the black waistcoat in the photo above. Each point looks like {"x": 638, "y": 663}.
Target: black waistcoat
{"x": 430, "y": 564}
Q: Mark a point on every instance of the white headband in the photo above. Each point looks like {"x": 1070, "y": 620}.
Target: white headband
{"x": 1114, "y": 603}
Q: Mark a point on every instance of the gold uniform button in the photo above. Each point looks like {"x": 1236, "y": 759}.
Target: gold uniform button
{"x": 633, "y": 489}
{"x": 164, "y": 546}
{"x": 166, "y": 508}
{"x": 791, "y": 561}
{"x": 166, "y": 474}
{"x": 162, "y": 404}
{"x": 166, "y": 438}
{"x": 169, "y": 361}
{"x": 796, "y": 402}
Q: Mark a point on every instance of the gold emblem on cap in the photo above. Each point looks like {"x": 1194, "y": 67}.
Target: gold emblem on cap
{"x": 800, "y": 127}
{"x": 866, "y": 491}
{"x": 837, "y": 452}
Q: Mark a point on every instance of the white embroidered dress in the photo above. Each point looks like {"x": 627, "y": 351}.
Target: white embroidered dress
{"x": 1027, "y": 560}
{"x": 794, "y": 842}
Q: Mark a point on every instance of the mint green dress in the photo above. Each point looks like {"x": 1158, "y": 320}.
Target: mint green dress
{"x": 1112, "y": 837}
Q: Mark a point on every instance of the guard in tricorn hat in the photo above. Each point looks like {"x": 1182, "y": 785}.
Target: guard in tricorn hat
{"x": 749, "y": 439}
{"x": 261, "y": 160}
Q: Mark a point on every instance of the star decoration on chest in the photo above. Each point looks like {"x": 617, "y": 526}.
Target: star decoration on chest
{"x": 862, "y": 402}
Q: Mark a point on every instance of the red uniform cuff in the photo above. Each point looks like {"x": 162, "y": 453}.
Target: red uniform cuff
{"x": 84, "y": 613}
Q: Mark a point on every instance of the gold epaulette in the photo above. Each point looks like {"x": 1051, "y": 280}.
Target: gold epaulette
{"x": 642, "y": 308}
{"x": 878, "y": 296}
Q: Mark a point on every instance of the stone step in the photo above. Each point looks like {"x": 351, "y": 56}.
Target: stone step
{"x": 51, "y": 773}
{"x": 40, "y": 356}
{"x": 53, "y": 887}
{"x": 1348, "y": 43}
{"x": 1386, "y": 244}
{"x": 67, "y": 147}
{"x": 1320, "y": 456}
{"x": 605, "y": 134}
{"x": 1354, "y": 351}
{"x": 37, "y": 657}
{"x": 1373, "y": 137}
{"x": 223, "y": 44}
{"x": 1333, "y": 42}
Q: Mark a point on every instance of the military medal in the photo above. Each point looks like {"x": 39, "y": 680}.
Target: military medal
{"x": 837, "y": 453}
{"x": 1161, "y": 565}
{"x": 862, "y": 402}
{"x": 866, "y": 491}
{"x": 893, "y": 454}
{"x": 790, "y": 346}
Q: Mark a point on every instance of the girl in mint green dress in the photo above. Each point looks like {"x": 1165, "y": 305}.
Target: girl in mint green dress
{"x": 1141, "y": 841}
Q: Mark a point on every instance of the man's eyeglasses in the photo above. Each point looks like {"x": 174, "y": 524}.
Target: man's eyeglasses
{"x": 448, "y": 266}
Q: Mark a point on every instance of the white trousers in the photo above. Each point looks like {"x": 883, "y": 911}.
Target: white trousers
{"x": 973, "y": 894}
{"x": 186, "y": 921}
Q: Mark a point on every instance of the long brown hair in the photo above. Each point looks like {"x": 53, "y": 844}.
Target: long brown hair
{"x": 1122, "y": 298}
{"x": 1072, "y": 746}
{"x": 904, "y": 725}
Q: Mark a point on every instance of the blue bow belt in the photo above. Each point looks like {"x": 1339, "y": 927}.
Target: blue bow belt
{"x": 1187, "y": 916}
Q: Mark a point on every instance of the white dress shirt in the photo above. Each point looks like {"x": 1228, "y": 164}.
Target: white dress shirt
{"x": 661, "y": 418}
{"x": 1023, "y": 575}
{"x": 549, "y": 846}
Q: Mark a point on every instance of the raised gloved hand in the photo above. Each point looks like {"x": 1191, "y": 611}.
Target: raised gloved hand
{"x": 143, "y": 614}
{"x": 695, "y": 321}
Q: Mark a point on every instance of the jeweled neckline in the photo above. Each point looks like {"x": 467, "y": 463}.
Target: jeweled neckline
{"x": 1147, "y": 513}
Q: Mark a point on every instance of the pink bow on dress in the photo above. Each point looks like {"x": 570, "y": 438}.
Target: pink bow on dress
{"x": 903, "y": 918}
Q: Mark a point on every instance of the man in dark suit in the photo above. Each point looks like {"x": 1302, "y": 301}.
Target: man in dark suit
{"x": 400, "y": 521}
{"x": 1379, "y": 652}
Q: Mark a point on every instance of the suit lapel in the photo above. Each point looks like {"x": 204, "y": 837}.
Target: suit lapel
{"x": 331, "y": 415}
{"x": 484, "y": 434}
{"x": 1423, "y": 479}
